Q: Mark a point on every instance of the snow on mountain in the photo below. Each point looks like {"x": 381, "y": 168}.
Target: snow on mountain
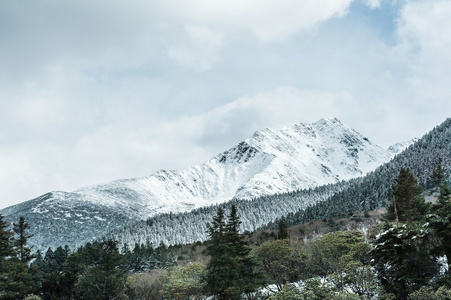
{"x": 271, "y": 161}
{"x": 399, "y": 147}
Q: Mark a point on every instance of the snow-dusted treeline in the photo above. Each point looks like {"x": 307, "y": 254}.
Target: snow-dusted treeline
{"x": 341, "y": 199}
{"x": 191, "y": 226}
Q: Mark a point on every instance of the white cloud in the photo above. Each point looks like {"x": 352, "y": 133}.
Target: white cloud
{"x": 424, "y": 31}
{"x": 199, "y": 49}
{"x": 373, "y": 3}
{"x": 208, "y": 24}
{"x": 267, "y": 19}
{"x": 98, "y": 90}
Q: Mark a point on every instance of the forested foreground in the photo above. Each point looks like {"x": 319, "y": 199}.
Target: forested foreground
{"x": 404, "y": 257}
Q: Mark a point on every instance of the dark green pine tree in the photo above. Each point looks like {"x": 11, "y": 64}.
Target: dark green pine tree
{"x": 440, "y": 219}
{"x": 230, "y": 272}
{"x": 438, "y": 175}
{"x": 217, "y": 268}
{"x": 37, "y": 272}
{"x": 283, "y": 230}
{"x": 6, "y": 241}
{"x": 15, "y": 281}
{"x": 406, "y": 202}
{"x": 103, "y": 278}
{"x": 21, "y": 230}
{"x": 402, "y": 259}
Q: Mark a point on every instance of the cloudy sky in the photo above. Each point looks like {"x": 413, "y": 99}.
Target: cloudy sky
{"x": 92, "y": 91}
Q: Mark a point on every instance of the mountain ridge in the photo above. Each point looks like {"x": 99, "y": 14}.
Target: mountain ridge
{"x": 272, "y": 161}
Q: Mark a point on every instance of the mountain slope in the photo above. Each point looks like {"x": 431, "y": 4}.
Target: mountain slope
{"x": 272, "y": 161}
{"x": 331, "y": 201}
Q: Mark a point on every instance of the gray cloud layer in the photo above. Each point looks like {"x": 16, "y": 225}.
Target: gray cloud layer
{"x": 98, "y": 90}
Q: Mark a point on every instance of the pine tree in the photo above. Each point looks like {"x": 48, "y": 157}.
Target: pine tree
{"x": 15, "y": 281}
{"x": 21, "y": 230}
{"x": 230, "y": 272}
{"x": 407, "y": 203}
{"x": 102, "y": 279}
{"x": 6, "y": 241}
{"x": 217, "y": 268}
{"x": 283, "y": 230}
{"x": 402, "y": 259}
{"x": 438, "y": 175}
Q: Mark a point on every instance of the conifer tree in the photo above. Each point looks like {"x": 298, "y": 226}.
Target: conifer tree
{"x": 438, "y": 175}
{"x": 21, "y": 230}
{"x": 402, "y": 259}
{"x": 6, "y": 241}
{"x": 283, "y": 231}
{"x": 230, "y": 272}
{"x": 407, "y": 203}
{"x": 15, "y": 281}
{"x": 102, "y": 279}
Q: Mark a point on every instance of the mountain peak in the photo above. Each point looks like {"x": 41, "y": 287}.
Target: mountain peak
{"x": 271, "y": 161}
{"x": 328, "y": 121}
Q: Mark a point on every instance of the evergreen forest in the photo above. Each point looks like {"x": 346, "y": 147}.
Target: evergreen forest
{"x": 405, "y": 255}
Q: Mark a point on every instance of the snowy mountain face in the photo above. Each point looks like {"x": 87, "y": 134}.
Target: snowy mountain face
{"x": 399, "y": 147}
{"x": 271, "y": 161}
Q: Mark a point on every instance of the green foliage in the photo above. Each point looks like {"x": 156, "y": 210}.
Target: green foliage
{"x": 281, "y": 261}
{"x": 424, "y": 293}
{"x": 144, "y": 286}
{"x": 21, "y": 230}
{"x": 184, "y": 282}
{"x": 101, "y": 278}
{"x": 15, "y": 281}
{"x": 288, "y": 292}
{"x": 6, "y": 241}
{"x": 100, "y": 283}
{"x": 406, "y": 201}
{"x": 316, "y": 289}
{"x": 230, "y": 271}
{"x": 32, "y": 297}
{"x": 327, "y": 251}
{"x": 283, "y": 230}
{"x": 438, "y": 175}
{"x": 402, "y": 259}
{"x": 445, "y": 194}
{"x": 360, "y": 279}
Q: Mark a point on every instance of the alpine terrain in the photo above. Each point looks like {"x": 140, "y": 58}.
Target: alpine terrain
{"x": 281, "y": 160}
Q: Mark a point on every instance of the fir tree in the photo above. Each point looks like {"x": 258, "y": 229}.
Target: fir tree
{"x": 406, "y": 202}
{"x": 15, "y": 281}
{"x": 21, "y": 230}
{"x": 402, "y": 259}
{"x": 6, "y": 241}
{"x": 230, "y": 272}
{"x": 438, "y": 175}
{"x": 102, "y": 279}
{"x": 283, "y": 230}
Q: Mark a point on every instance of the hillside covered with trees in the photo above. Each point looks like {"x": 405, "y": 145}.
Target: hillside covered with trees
{"x": 406, "y": 256}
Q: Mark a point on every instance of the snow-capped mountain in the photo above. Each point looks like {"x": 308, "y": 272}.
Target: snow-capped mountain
{"x": 272, "y": 161}
{"x": 399, "y": 147}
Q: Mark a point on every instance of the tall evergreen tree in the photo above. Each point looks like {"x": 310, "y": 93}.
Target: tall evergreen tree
{"x": 438, "y": 175}
{"x": 103, "y": 278}
{"x": 21, "y": 230}
{"x": 15, "y": 281}
{"x": 402, "y": 259}
{"x": 6, "y": 241}
{"x": 406, "y": 202}
{"x": 283, "y": 230}
{"x": 230, "y": 272}
{"x": 217, "y": 268}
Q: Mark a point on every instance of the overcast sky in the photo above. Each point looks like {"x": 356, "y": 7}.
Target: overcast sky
{"x": 92, "y": 91}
